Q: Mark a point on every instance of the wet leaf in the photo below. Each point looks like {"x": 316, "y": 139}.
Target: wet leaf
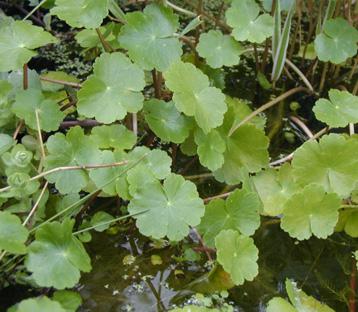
{"x": 218, "y": 49}
{"x": 168, "y": 209}
{"x": 243, "y": 16}
{"x": 238, "y": 255}
{"x": 113, "y": 90}
{"x": 340, "y": 110}
{"x": 311, "y": 212}
{"x": 13, "y": 235}
{"x": 194, "y": 97}
{"x": 337, "y": 42}
{"x": 149, "y": 37}
{"x": 56, "y": 257}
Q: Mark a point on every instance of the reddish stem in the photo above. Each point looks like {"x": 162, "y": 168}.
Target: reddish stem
{"x": 353, "y": 286}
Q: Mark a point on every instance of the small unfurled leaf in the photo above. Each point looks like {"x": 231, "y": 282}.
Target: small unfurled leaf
{"x": 328, "y": 163}
{"x": 166, "y": 121}
{"x": 113, "y": 136}
{"x": 168, "y": 209}
{"x": 56, "y": 257}
{"x": 43, "y": 304}
{"x": 311, "y": 212}
{"x": 240, "y": 212}
{"x": 113, "y": 90}
{"x": 13, "y": 235}
{"x": 238, "y": 255}
{"x": 218, "y": 49}
{"x": 211, "y": 148}
{"x": 28, "y": 102}
{"x": 194, "y": 97}
{"x": 337, "y": 42}
{"x": 81, "y": 13}
{"x": 18, "y": 39}
{"x": 149, "y": 37}
{"x": 243, "y": 16}
{"x": 340, "y": 110}
{"x": 18, "y": 160}
{"x": 74, "y": 149}
{"x": 20, "y": 186}
{"x": 275, "y": 188}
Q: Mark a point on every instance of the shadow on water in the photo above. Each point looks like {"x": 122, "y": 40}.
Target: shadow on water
{"x": 321, "y": 267}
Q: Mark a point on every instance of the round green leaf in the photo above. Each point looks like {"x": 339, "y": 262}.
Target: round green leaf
{"x": 74, "y": 149}
{"x": 81, "y": 13}
{"x": 168, "y": 209}
{"x": 69, "y": 300}
{"x": 218, "y": 49}
{"x": 18, "y": 39}
{"x": 165, "y": 121}
{"x": 6, "y": 142}
{"x": 29, "y": 101}
{"x": 113, "y": 90}
{"x": 337, "y": 42}
{"x": 243, "y": 17}
{"x": 311, "y": 212}
{"x": 43, "y": 304}
{"x": 56, "y": 257}
{"x": 99, "y": 218}
{"x": 194, "y": 97}
{"x": 275, "y": 188}
{"x": 328, "y": 163}
{"x": 238, "y": 255}
{"x": 351, "y": 225}
{"x": 340, "y": 110}
{"x": 149, "y": 37}
{"x": 279, "y": 305}
{"x": 239, "y": 212}
{"x": 12, "y": 234}
{"x": 113, "y": 136}
{"x": 211, "y": 148}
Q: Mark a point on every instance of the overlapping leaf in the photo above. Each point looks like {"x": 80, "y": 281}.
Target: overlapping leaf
{"x": 168, "y": 209}
{"x": 166, "y": 121}
{"x": 37, "y": 304}
{"x": 340, "y": 110}
{"x": 18, "y": 39}
{"x": 311, "y": 212}
{"x": 149, "y": 37}
{"x": 56, "y": 257}
{"x": 240, "y": 212}
{"x": 328, "y": 163}
{"x": 74, "y": 149}
{"x": 81, "y": 13}
{"x": 243, "y": 16}
{"x": 238, "y": 255}
{"x": 337, "y": 42}
{"x": 32, "y": 101}
{"x": 113, "y": 90}
{"x": 194, "y": 97}
{"x": 113, "y": 136}
{"x": 218, "y": 49}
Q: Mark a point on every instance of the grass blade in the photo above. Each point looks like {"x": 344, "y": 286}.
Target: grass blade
{"x": 277, "y": 29}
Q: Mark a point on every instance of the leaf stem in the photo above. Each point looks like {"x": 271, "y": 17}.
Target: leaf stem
{"x": 107, "y": 47}
{"x": 179, "y": 9}
{"x": 62, "y": 82}
{"x": 302, "y": 125}
{"x": 224, "y": 195}
{"x": 34, "y": 10}
{"x": 266, "y": 106}
{"x": 42, "y": 148}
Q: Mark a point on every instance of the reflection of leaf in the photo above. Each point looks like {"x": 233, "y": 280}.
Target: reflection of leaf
{"x": 56, "y": 257}
{"x": 238, "y": 255}
{"x": 218, "y": 49}
{"x": 328, "y": 163}
{"x": 149, "y": 37}
{"x": 337, "y": 42}
{"x": 113, "y": 90}
{"x": 311, "y": 212}
{"x": 81, "y": 13}
{"x": 168, "y": 209}
{"x": 194, "y": 97}
{"x": 12, "y": 234}
{"x": 339, "y": 110}
{"x": 18, "y": 39}
{"x": 29, "y": 101}
{"x": 243, "y": 16}
{"x": 239, "y": 212}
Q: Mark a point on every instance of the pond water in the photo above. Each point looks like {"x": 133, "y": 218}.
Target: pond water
{"x": 125, "y": 279}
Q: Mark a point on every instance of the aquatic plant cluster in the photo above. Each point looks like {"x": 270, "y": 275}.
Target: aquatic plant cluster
{"x": 155, "y": 103}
